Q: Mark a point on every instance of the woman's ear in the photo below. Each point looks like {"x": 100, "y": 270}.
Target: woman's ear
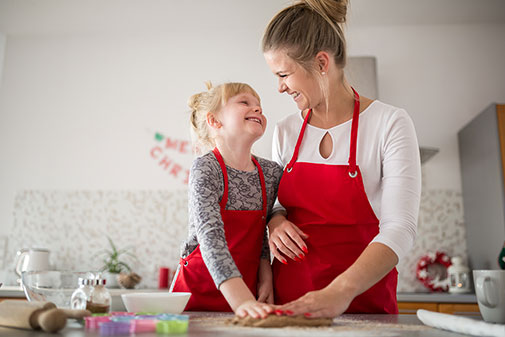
{"x": 212, "y": 121}
{"x": 322, "y": 61}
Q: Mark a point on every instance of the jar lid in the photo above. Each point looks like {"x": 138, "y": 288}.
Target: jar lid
{"x": 85, "y": 281}
{"x": 101, "y": 281}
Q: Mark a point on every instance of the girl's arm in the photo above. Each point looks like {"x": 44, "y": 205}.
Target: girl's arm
{"x": 241, "y": 300}
{"x": 265, "y": 282}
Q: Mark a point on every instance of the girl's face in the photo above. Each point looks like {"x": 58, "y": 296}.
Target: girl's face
{"x": 241, "y": 117}
{"x": 294, "y": 80}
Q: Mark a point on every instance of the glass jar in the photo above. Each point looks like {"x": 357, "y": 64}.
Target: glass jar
{"x": 99, "y": 299}
{"x": 459, "y": 276}
{"x": 81, "y": 295}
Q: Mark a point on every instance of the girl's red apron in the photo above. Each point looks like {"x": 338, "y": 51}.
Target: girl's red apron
{"x": 244, "y": 234}
{"x": 329, "y": 203}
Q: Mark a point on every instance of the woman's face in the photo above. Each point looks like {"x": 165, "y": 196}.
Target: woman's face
{"x": 294, "y": 80}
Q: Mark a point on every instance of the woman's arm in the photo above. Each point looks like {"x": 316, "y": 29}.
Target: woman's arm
{"x": 335, "y": 298}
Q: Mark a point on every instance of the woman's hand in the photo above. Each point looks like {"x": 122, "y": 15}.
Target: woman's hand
{"x": 286, "y": 238}
{"x": 265, "y": 285}
{"x": 320, "y": 303}
{"x": 254, "y": 309}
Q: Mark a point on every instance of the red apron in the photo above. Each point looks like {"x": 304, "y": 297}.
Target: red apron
{"x": 244, "y": 232}
{"x": 329, "y": 203}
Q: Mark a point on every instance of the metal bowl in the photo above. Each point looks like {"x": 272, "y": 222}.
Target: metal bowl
{"x": 51, "y": 285}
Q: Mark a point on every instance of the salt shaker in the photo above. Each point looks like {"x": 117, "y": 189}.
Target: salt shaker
{"x": 81, "y": 295}
{"x": 99, "y": 299}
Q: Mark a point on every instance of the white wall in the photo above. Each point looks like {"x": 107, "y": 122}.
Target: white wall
{"x": 80, "y": 101}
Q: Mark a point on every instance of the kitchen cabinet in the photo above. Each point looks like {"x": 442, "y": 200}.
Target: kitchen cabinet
{"x": 465, "y": 309}
{"x": 482, "y": 157}
{"x": 457, "y": 304}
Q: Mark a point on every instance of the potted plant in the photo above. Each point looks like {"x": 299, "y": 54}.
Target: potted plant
{"x": 113, "y": 264}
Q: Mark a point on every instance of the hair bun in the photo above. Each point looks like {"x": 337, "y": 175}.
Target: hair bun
{"x": 335, "y": 10}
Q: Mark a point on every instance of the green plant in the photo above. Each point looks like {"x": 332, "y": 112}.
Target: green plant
{"x": 112, "y": 262}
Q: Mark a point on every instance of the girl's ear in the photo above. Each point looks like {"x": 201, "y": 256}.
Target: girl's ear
{"x": 322, "y": 61}
{"x": 212, "y": 121}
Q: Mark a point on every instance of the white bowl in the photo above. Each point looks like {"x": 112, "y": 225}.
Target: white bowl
{"x": 159, "y": 302}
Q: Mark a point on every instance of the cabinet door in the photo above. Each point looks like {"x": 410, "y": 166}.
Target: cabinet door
{"x": 467, "y": 309}
{"x": 412, "y": 307}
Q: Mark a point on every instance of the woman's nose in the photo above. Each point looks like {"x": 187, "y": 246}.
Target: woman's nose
{"x": 282, "y": 86}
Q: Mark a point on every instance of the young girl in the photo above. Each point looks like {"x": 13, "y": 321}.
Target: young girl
{"x": 225, "y": 261}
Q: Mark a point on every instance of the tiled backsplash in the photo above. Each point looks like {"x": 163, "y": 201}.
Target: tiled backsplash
{"x": 74, "y": 226}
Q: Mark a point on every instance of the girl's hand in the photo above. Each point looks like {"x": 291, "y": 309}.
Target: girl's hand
{"x": 254, "y": 309}
{"x": 320, "y": 303}
{"x": 286, "y": 238}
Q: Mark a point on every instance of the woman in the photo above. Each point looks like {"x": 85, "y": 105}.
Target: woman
{"x": 349, "y": 194}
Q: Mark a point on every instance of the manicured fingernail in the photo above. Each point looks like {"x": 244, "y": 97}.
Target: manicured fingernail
{"x": 301, "y": 256}
{"x": 279, "y": 312}
{"x": 297, "y": 259}
{"x": 284, "y": 261}
{"x": 307, "y": 314}
{"x": 305, "y": 250}
{"x": 289, "y": 312}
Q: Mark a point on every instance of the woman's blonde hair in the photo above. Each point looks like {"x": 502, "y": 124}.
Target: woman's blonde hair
{"x": 211, "y": 101}
{"x": 308, "y": 27}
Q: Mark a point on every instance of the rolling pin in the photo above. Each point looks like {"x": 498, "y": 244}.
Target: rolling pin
{"x": 36, "y": 315}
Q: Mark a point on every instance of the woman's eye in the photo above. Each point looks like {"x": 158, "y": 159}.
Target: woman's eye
{"x": 244, "y": 102}
{"x": 283, "y": 75}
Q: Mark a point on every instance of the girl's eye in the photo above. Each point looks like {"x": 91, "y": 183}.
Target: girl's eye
{"x": 283, "y": 75}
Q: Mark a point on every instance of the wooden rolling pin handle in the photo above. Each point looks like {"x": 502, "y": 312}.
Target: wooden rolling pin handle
{"x": 52, "y": 320}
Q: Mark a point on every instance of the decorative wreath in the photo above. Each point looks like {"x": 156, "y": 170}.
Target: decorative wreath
{"x": 433, "y": 283}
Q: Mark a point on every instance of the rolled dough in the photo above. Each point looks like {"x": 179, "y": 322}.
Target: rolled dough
{"x": 274, "y": 321}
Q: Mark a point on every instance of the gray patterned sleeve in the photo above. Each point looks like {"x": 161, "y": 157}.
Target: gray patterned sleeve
{"x": 205, "y": 190}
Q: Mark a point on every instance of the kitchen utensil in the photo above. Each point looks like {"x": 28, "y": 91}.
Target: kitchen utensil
{"x": 36, "y": 315}
{"x": 51, "y": 285}
{"x": 158, "y": 302}
{"x": 32, "y": 259}
{"x": 490, "y": 291}
{"x": 463, "y": 325}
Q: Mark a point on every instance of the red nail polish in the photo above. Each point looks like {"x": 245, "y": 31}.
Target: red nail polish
{"x": 279, "y": 312}
{"x": 305, "y": 250}
{"x": 301, "y": 256}
{"x": 284, "y": 261}
{"x": 289, "y": 312}
{"x": 307, "y": 314}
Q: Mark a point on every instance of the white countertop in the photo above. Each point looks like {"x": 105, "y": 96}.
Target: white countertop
{"x": 17, "y": 292}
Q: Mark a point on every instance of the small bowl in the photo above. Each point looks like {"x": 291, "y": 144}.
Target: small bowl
{"x": 51, "y": 285}
{"x": 158, "y": 302}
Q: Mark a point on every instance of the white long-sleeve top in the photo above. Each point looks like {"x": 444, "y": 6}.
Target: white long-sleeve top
{"x": 387, "y": 155}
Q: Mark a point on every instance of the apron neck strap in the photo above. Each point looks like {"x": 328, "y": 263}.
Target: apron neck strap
{"x": 298, "y": 142}
{"x": 354, "y": 133}
{"x": 224, "y": 199}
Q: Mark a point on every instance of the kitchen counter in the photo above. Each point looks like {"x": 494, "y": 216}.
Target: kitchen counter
{"x": 436, "y": 297}
{"x": 212, "y": 324}
{"x": 17, "y": 292}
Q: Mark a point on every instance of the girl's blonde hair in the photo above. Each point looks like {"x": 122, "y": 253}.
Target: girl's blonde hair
{"x": 211, "y": 101}
{"x": 308, "y": 27}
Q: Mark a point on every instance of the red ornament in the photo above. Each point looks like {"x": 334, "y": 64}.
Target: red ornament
{"x": 430, "y": 282}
